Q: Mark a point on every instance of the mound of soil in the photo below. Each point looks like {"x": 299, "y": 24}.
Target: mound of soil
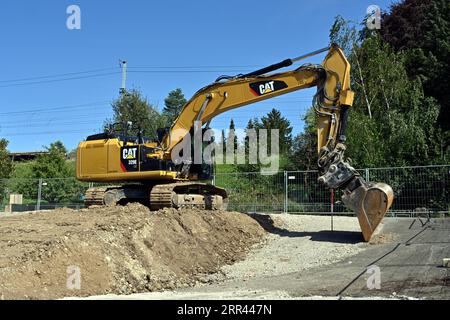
{"x": 119, "y": 250}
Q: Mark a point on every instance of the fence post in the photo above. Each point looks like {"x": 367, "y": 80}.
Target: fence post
{"x": 332, "y": 207}
{"x": 38, "y": 206}
{"x": 285, "y": 192}
{"x": 367, "y": 174}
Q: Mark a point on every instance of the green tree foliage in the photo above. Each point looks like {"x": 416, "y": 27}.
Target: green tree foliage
{"x": 255, "y": 184}
{"x": 304, "y": 146}
{"x": 55, "y": 172}
{"x": 252, "y": 124}
{"x": 6, "y": 166}
{"x": 53, "y": 163}
{"x": 174, "y": 103}
{"x": 133, "y": 107}
{"x": 392, "y": 122}
{"x": 232, "y": 135}
{"x": 274, "y": 120}
{"x": 421, "y": 29}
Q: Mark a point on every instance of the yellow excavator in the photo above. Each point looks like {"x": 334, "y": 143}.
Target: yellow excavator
{"x": 146, "y": 171}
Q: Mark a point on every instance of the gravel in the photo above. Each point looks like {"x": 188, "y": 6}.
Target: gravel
{"x": 298, "y": 242}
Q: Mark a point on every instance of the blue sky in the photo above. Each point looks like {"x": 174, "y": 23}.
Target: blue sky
{"x": 184, "y": 44}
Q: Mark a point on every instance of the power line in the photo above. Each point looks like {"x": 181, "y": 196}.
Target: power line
{"x": 63, "y": 108}
{"x": 50, "y": 122}
{"x": 99, "y": 122}
{"x": 47, "y": 132}
{"x": 171, "y": 70}
{"x": 59, "y": 80}
{"x": 195, "y": 67}
{"x": 57, "y": 75}
{"x": 107, "y": 103}
{"x": 101, "y": 116}
{"x": 186, "y": 71}
{"x": 92, "y": 113}
{"x": 218, "y": 122}
{"x": 58, "y": 122}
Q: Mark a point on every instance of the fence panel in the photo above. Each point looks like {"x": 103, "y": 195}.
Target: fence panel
{"x": 253, "y": 192}
{"x": 416, "y": 190}
{"x": 41, "y": 194}
{"x": 305, "y": 194}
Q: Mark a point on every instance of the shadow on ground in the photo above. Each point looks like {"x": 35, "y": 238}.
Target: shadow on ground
{"x": 351, "y": 237}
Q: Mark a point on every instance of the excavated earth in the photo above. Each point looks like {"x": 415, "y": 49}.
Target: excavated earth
{"x": 119, "y": 250}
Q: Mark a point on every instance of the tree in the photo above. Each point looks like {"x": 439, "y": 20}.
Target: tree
{"x": 133, "y": 107}
{"x": 274, "y": 120}
{"x": 392, "y": 122}
{"x": 6, "y": 164}
{"x": 54, "y": 170}
{"x": 250, "y": 126}
{"x": 304, "y": 146}
{"x": 6, "y": 167}
{"x": 232, "y": 135}
{"x": 53, "y": 163}
{"x": 421, "y": 29}
{"x": 223, "y": 140}
{"x": 174, "y": 103}
{"x": 251, "y": 167}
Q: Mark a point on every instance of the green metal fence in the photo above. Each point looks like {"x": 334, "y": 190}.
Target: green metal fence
{"x": 416, "y": 189}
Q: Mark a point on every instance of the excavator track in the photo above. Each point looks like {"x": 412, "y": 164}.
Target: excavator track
{"x": 188, "y": 195}
{"x": 172, "y": 195}
{"x": 161, "y": 196}
{"x": 94, "y": 196}
{"x": 101, "y": 196}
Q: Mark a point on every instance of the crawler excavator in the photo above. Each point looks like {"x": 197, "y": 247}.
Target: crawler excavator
{"x": 145, "y": 171}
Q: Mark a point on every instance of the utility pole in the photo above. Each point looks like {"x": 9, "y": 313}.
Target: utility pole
{"x": 123, "y": 65}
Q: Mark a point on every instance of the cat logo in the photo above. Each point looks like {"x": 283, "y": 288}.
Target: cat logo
{"x": 129, "y": 154}
{"x": 264, "y": 87}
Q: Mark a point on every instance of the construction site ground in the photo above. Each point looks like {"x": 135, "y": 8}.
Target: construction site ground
{"x": 320, "y": 264}
{"x": 132, "y": 253}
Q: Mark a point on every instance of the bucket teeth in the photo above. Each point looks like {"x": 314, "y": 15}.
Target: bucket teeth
{"x": 370, "y": 202}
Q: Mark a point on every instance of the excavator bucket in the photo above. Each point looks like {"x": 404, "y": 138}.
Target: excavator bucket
{"x": 370, "y": 202}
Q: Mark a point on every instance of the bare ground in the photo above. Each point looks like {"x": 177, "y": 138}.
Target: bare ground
{"x": 294, "y": 243}
{"x": 120, "y": 250}
{"x": 302, "y": 259}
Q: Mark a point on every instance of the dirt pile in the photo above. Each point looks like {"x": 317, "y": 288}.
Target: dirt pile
{"x": 118, "y": 250}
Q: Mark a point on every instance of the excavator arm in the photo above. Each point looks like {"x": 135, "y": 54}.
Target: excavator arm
{"x": 333, "y": 98}
{"x": 332, "y": 103}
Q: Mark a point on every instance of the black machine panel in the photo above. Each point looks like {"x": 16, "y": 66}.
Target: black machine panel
{"x": 129, "y": 158}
